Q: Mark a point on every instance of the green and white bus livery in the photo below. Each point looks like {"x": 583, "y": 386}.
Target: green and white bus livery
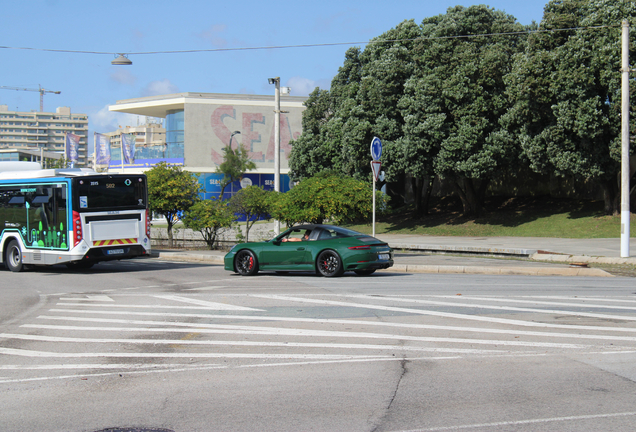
{"x": 76, "y": 217}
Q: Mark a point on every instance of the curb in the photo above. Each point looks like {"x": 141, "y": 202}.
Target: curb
{"x": 418, "y": 268}
{"x": 507, "y": 271}
{"x": 565, "y": 258}
{"x": 464, "y": 249}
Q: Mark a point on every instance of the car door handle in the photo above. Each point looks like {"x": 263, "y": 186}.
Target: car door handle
{"x": 301, "y": 248}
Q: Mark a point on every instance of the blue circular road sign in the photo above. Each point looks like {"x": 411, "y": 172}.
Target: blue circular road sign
{"x": 376, "y": 148}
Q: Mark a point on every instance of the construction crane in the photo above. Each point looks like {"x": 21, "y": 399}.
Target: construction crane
{"x": 40, "y": 89}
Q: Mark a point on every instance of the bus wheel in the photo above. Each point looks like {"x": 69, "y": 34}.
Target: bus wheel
{"x": 13, "y": 258}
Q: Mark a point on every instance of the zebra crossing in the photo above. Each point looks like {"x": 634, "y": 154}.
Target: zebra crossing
{"x": 103, "y": 334}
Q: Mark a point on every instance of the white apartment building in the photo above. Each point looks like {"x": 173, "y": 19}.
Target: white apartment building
{"x": 43, "y": 131}
{"x": 150, "y": 141}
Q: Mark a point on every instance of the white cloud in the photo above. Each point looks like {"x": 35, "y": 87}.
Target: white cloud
{"x": 104, "y": 120}
{"x": 159, "y": 88}
{"x": 212, "y": 35}
{"x": 123, "y": 76}
{"x": 303, "y": 86}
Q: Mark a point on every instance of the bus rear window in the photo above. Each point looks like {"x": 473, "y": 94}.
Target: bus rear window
{"x": 109, "y": 192}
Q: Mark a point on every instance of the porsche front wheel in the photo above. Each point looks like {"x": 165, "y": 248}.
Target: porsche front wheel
{"x": 246, "y": 263}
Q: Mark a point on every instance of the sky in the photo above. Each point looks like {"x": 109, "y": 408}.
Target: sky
{"x": 85, "y": 35}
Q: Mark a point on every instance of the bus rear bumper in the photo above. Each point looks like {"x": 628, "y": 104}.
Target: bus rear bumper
{"x": 115, "y": 253}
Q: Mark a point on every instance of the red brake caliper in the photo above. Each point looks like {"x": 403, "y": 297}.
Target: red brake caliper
{"x": 251, "y": 263}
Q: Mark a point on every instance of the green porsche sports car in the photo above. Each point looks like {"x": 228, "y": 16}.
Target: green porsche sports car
{"x": 326, "y": 249}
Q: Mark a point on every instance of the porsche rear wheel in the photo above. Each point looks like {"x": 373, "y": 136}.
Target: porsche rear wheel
{"x": 329, "y": 264}
{"x": 246, "y": 263}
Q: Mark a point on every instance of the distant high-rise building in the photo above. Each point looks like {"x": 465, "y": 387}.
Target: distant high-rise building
{"x": 36, "y": 131}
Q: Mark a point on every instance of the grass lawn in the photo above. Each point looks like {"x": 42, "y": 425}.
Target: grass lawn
{"x": 515, "y": 217}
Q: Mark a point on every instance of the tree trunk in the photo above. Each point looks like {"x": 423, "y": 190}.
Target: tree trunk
{"x": 429, "y": 192}
{"x": 169, "y": 230}
{"x": 611, "y": 197}
{"x": 424, "y": 195}
{"x": 470, "y": 198}
{"x": 417, "y": 194}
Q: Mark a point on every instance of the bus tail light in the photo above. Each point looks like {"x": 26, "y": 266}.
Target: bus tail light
{"x": 148, "y": 213}
{"x": 77, "y": 228}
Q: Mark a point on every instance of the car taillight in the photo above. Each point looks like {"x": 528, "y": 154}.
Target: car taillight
{"x": 77, "y": 228}
{"x": 148, "y": 213}
{"x": 360, "y": 247}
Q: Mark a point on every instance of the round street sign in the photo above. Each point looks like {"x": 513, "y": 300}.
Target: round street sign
{"x": 376, "y": 148}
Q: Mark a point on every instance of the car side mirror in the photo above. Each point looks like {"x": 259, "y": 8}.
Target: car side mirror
{"x": 276, "y": 242}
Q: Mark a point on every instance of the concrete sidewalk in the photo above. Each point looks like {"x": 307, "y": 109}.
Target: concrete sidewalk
{"x": 479, "y": 255}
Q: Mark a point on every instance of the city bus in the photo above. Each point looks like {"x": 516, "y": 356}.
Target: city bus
{"x": 76, "y": 217}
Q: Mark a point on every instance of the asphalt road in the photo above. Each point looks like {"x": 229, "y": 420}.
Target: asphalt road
{"x": 157, "y": 345}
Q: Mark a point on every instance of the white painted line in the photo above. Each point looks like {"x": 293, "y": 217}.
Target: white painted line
{"x": 417, "y": 311}
{"x": 536, "y": 302}
{"x": 101, "y": 298}
{"x": 245, "y": 343}
{"x": 46, "y": 354}
{"x": 524, "y": 422}
{"x": 119, "y": 366}
{"x": 254, "y": 330}
{"x": 220, "y": 306}
{"x": 211, "y": 305}
{"x": 208, "y": 288}
{"x": 462, "y": 329}
{"x": 598, "y": 299}
{"x": 189, "y": 368}
{"x": 507, "y": 308}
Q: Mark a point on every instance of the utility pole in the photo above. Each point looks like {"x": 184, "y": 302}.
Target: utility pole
{"x": 276, "y": 81}
{"x": 625, "y": 207}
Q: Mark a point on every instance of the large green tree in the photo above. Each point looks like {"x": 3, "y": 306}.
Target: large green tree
{"x": 328, "y": 196}
{"x": 171, "y": 191}
{"x": 454, "y": 101}
{"x": 433, "y": 93}
{"x": 566, "y": 93}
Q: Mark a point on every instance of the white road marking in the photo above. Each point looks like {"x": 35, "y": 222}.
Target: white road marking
{"x": 47, "y": 354}
{"x": 508, "y": 308}
{"x": 208, "y": 288}
{"x": 432, "y": 313}
{"x": 366, "y": 323}
{"x": 549, "y": 303}
{"x": 245, "y": 343}
{"x": 102, "y": 298}
{"x": 188, "y": 368}
{"x": 127, "y": 366}
{"x": 211, "y": 305}
{"x": 523, "y": 422}
{"x": 260, "y": 330}
{"x": 600, "y": 299}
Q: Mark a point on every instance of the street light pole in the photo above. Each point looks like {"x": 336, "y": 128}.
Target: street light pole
{"x": 276, "y": 81}
{"x": 232, "y": 136}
